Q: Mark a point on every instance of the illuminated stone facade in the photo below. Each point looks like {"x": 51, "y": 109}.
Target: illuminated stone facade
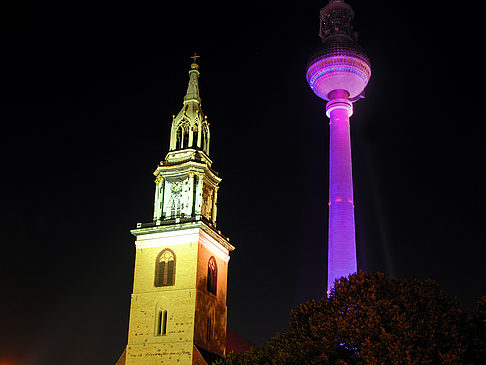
{"x": 178, "y": 307}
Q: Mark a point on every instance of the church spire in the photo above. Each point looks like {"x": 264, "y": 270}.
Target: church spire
{"x": 178, "y": 309}
{"x": 190, "y": 129}
{"x": 192, "y": 94}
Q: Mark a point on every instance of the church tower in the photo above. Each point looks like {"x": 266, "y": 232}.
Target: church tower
{"x": 178, "y": 305}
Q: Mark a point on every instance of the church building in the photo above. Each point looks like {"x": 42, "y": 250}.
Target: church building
{"x": 178, "y": 306}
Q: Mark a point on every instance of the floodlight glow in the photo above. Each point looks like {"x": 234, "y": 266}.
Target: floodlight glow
{"x": 342, "y": 241}
{"x": 339, "y": 73}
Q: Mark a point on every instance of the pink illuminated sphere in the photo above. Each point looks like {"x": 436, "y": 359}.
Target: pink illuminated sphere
{"x": 340, "y": 64}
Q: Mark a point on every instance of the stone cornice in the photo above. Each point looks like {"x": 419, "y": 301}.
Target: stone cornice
{"x": 184, "y": 233}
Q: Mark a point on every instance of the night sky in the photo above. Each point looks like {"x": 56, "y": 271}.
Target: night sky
{"x": 88, "y": 90}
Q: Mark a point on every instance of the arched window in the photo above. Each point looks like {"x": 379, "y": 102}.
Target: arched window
{"x": 161, "y": 323}
{"x": 212, "y": 275}
{"x": 182, "y": 135}
{"x": 195, "y": 134}
{"x": 185, "y": 135}
{"x": 178, "y": 138}
{"x": 204, "y": 139}
{"x": 165, "y": 268}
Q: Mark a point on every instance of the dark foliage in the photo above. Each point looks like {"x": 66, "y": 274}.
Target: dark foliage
{"x": 370, "y": 319}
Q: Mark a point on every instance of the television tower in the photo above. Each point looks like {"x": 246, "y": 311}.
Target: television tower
{"x": 339, "y": 72}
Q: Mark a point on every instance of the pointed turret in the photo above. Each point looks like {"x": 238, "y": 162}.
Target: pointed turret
{"x": 190, "y": 128}
{"x": 186, "y": 186}
{"x": 192, "y": 94}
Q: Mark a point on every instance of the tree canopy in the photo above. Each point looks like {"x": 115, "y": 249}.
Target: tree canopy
{"x": 370, "y": 319}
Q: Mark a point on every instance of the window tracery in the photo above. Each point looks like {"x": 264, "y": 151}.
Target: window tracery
{"x": 165, "y": 268}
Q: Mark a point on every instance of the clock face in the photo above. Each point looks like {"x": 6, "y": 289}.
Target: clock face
{"x": 176, "y": 188}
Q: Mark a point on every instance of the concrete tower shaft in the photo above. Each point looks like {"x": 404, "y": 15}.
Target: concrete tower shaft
{"x": 339, "y": 72}
{"x": 342, "y": 239}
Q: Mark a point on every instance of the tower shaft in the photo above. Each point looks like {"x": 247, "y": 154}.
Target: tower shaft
{"x": 342, "y": 238}
{"x": 339, "y": 72}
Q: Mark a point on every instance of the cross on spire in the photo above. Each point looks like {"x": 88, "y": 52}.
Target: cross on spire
{"x": 195, "y": 57}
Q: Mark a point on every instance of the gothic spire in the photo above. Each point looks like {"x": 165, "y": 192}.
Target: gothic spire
{"x": 190, "y": 129}
{"x": 192, "y": 94}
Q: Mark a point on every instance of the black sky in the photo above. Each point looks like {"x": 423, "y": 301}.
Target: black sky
{"x": 87, "y": 93}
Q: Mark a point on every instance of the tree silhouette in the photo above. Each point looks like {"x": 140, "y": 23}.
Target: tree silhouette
{"x": 370, "y": 319}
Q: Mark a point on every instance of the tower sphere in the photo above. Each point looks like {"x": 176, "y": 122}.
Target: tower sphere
{"x": 339, "y": 63}
{"x": 339, "y": 72}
